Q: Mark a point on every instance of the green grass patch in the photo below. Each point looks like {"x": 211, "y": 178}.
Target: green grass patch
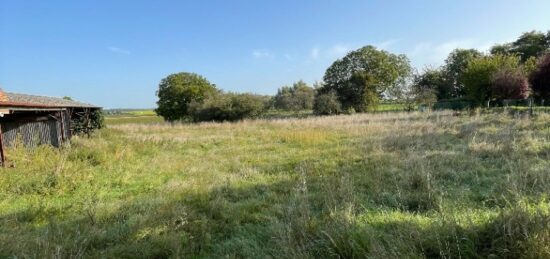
{"x": 142, "y": 119}
{"x": 384, "y": 185}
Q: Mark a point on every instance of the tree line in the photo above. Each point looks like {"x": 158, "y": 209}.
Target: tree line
{"x": 359, "y": 81}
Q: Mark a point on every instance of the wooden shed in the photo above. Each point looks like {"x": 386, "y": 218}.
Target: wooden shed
{"x": 37, "y": 120}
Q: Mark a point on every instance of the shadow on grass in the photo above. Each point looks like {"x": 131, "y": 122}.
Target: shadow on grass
{"x": 226, "y": 220}
{"x": 260, "y": 221}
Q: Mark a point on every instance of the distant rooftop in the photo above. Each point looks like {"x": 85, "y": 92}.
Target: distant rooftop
{"x": 13, "y": 99}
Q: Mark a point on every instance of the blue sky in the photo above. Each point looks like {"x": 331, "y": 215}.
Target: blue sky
{"x": 114, "y": 53}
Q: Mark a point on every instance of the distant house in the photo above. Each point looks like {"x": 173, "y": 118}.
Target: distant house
{"x": 36, "y": 120}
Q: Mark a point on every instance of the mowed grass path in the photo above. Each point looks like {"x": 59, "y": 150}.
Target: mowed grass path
{"x": 367, "y": 185}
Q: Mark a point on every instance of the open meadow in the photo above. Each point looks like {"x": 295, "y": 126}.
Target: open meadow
{"x": 385, "y": 185}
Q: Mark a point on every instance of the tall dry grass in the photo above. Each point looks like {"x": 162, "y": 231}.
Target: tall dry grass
{"x": 365, "y": 185}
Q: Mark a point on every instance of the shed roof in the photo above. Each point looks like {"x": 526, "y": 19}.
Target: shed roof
{"x": 27, "y": 100}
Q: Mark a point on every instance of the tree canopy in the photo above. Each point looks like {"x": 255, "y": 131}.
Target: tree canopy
{"x": 478, "y": 76}
{"x": 360, "y": 79}
{"x": 528, "y": 45}
{"x": 177, "y": 91}
{"x": 454, "y": 67}
{"x": 540, "y": 78}
{"x": 366, "y": 70}
{"x": 434, "y": 81}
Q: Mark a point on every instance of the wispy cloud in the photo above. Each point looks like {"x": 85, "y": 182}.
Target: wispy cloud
{"x": 262, "y": 53}
{"x": 118, "y": 50}
{"x": 427, "y": 53}
{"x": 341, "y": 49}
{"x": 315, "y": 53}
{"x": 387, "y": 44}
{"x": 335, "y": 51}
{"x": 338, "y": 50}
{"x": 420, "y": 49}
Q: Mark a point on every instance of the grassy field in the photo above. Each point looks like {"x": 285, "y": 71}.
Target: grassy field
{"x": 367, "y": 185}
{"x": 125, "y": 116}
{"x": 144, "y": 119}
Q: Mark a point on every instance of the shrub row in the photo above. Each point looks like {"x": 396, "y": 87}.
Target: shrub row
{"x": 228, "y": 107}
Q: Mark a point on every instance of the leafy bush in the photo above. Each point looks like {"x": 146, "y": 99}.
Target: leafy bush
{"x": 87, "y": 124}
{"x": 432, "y": 81}
{"x": 540, "y": 78}
{"x": 298, "y": 97}
{"x": 478, "y": 75}
{"x": 510, "y": 84}
{"x": 425, "y": 97}
{"x": 327, "y": 104}
{"x": 228, "y": 107}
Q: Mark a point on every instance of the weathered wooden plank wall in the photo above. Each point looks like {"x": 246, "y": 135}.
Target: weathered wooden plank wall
{"x": 41, "y": 130}
{"x": 31, "y": 133}
{"x": 66, "y": 120}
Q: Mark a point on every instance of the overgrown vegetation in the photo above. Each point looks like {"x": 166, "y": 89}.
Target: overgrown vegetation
{"x": 368, "y": 76}
{"x": 479, "y": 74}
{"x": 396, "y": 185}
{"x": 298, "y": 97}
{"x": 327, "y": 104}
{"x": 540, "y": 79}
{"x": 510, "y": 83}
{"x": 469, "y": 76}
{"x": 228, "y": 107}
{"x": 87, "y": 123}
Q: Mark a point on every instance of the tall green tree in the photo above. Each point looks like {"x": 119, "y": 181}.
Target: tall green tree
{"x": 177, "y": 91}
{"x": 365, "y": 68}
{"x": 501, "y": 49}
{"x": 433, "y": 81}
{"x": 478, "y": 76}
{"x": 454, "y": 67}
{"x": 530, "y": 66}
{"x": 529, "y": 45}
{"x": 360, "y": 93}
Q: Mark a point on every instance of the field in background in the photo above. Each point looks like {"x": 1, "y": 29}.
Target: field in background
{"x": 387, "y": 185}
{"x": 145, "y": 119}
{"x": 123, "y": 116}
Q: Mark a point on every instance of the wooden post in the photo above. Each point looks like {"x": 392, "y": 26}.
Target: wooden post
{"x": 88, "y": 126}
{"x": 61, "y": 119}
{"x": 70, "y": 118}
{"x": 2, "y": 157}
{"x": 531, "y": 106}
